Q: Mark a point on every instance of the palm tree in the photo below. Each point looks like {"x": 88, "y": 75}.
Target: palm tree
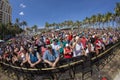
{"x": 17, "y": 22}
{"x": 47, "y": 25}
{"x": 113, "y": 20}
{"x": 69, "y": 23}
{"x": 99, "y": 19}
{"x": 93, "y": 20}
{"x": 54, "y": 25}
{"x": 35, "y": 27}
{"x": 103, "y": 20}
{"x": 86, "y": 21}
{"x": 78, "y": 24}
{"x": 108, "y": 18}
{"x": 3, "y": 30}
{"x": 117, "y": 13}
{"x": 117, "y": 9}
{"x": 23, "y": 23}
{"x": 9, "y": 27}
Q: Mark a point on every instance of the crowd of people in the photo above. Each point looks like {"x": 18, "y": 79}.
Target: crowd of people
{"x": 51, "y": 47}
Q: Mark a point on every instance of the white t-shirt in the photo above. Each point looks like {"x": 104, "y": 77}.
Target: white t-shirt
{"x": 78, "y": 50}
{"x": 56, "y": 47}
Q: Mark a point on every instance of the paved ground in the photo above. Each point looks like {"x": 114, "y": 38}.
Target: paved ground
{"x": 110, "y": 71}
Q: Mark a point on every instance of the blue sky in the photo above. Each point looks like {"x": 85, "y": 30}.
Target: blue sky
{"x": 40, "y": 11}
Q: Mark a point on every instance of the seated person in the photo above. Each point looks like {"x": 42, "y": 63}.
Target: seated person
{"x": 33, "y": 57}
{"x": 43, "y": 49}
{"x": 51, "y": 56}
{"x": 1, "y": 53}
{"x": 23, "y": 57}
{"x": 97, "y": 45}
{"x": 67, "y": 52}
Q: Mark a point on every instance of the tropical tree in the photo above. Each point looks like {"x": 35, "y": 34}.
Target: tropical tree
{"x": 17, "y": 22}
{"x": 86, "y": 21}
{"x": 47, "y": 25}
{"x": 108, "y": 18}
{"x": 69, "y": 23}
{"x": 93, "y": 20}
{"x": 99, "y": 19}
{"x": 117, "y": 9}
{"x": 113, "y": 20}
{"x": 34, "y": 28}
{"x": 2, "y": 30}
{"x": 9, "y": 27}
{"x": 78, "y": 24}
{"x": 23, "y": 23}
{"x": 117, "y": 13}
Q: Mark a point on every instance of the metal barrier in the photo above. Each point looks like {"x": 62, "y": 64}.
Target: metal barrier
{"x": 69, "y": 65}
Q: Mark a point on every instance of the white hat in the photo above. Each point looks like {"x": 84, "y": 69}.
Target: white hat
{"x": 93, "y": 36}
{"x": 67, "y": 45}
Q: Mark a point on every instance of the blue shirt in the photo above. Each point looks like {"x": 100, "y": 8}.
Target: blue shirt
{"x": 50, "y": 57}
{"x": 33, "y": 57}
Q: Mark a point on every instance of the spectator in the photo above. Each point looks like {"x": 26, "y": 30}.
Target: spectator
{"x": 98, "y": 45}
{"x": 55, "y": 45}
{"x": 77, "y": 47}
{"x": 23, "y": 57}
{"x": 84, "y": 41}
{"x": 51, "y": 56}
{"x": 68, "y": 52}
{"x": 47, "y": 41}
{"x": 33, "y": 57}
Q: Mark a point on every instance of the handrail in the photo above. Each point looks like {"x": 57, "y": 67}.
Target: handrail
{"x": 61, "y": 66}
{"x": 105, "y": 51}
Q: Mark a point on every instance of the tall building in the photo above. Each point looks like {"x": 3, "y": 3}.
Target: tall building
{"x": 5, "y": 11}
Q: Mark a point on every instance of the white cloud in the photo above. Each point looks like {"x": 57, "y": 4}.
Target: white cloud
{"x": 22, "y": 5}
{"x": 21, "y": 13}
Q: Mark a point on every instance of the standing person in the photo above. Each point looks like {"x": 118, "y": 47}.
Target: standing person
{"x": 34, "y": 58}
{"x": 97, "y": 45}
{"x": 47, "y": 42}
{"x": 84, "y": 41}
{"x": 70, "y": 37}
{"x": 78, "y": 48}
{"x": 67, "y": 52}
{"x": 61, "y": 44}
{"x": 55, "y": 45}
{"x": 90, "y": 51}
{"x": 51, "y": 56}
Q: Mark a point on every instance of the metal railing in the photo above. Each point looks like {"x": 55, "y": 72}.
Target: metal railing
{"x": 65, "y": 65}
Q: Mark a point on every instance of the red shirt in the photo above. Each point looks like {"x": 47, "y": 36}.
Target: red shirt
{"x": 83, "y": 41}
{"x": 68, "y": 51}
{"x": 47, "y": 41}
{"x": 97, "y": 42}
{"x": 70, "y": 37}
